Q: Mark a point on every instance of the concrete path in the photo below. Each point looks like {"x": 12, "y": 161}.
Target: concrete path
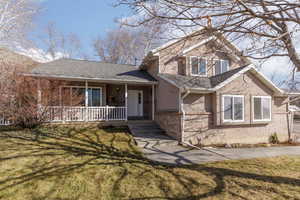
{"x": 180, "y": 155}
{"x": 159, "y": 147}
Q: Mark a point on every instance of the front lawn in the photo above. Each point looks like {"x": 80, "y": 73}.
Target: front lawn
{"x": 64, "y": 163}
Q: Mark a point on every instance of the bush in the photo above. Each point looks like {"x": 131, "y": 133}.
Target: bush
{"x": 23, "y": 105}
{"x": 274, "y": 139}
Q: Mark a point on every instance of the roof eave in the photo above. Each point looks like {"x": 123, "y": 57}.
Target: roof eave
{"x": 102, "y": 80}
{"x": 156, "y": 50}
{"x": 201, "y": 90}
{"x": 270, "y": 84}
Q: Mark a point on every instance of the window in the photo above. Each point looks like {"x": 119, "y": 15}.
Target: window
{"x": 221, "y": 66}
{"x": 198, "y": 66}
{"x": 233, "y": 108}
{"x": 94, "y": 97}
{"x": 76, "y": 96}
{"x": 261, "y": 108}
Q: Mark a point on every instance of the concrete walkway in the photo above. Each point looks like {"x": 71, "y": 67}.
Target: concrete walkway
{"x": 163, "y": 149}
{"x": 159, "y": 147}
{"x": 176, "y": 154}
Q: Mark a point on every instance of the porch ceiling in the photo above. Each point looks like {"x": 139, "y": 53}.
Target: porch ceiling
{"x": 90, "y": 70}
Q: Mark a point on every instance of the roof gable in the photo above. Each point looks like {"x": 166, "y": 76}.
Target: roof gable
{"x": 174, "y": 41}
{"x": 218, "y": 37}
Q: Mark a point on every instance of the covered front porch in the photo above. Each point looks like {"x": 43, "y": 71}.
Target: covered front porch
{"x": 91, "y": 101}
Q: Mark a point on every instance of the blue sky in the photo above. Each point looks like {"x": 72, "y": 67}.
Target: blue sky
{"x": 90, "y": 18}
{"x": 85, "y": 18}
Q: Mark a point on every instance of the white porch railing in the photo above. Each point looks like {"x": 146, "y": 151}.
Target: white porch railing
{"x": 4, "y": 122}
{"x": 90, "y": 114}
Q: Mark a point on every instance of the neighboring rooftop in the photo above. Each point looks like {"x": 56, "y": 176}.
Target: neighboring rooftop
{"x": 15, "y": 60}
{"x": 82, "y": 69}
{"x": 292, "y": 91}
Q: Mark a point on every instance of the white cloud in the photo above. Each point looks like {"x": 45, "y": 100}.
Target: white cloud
{"x": 39, "y": 55}
{"x": 279, "y": 70}
{"x": 278, "y": 65}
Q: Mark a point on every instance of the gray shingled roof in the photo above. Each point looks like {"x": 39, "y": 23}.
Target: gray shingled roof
{"x": 195, "y": 82}
{"x": 188, "y": 81}
{"x": 81, "y": 69}
{"x": 216, "y": 80}
{"x": 291, "y": 90}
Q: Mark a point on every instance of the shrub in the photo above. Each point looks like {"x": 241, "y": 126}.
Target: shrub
{"x": 21, "y": 104}
{"x": 274, "y": 139}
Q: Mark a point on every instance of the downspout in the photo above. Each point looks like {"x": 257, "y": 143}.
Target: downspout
{"x": 290, "y": 119}
{"x": 183, "y": 114}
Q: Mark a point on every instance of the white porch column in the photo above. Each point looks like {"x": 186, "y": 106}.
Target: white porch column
{"x": 86, "y": 100}
{"x": 60, "y": 96}
{"x": 126, "y": 101}
{"x": 153, "y": 102}
{"x": 39, "y": 94}
{"x": 62, "y": 111}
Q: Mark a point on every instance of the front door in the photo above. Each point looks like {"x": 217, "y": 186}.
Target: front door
{"x": 135, "y": 103}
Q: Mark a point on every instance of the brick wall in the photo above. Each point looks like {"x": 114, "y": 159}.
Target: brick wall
{"x": 170, "y": 122}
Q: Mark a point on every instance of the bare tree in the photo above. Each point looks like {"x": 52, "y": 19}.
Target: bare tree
{"x": 20, "y": 102}
{"x": 268, "y": 28}
{"x": 61, "y": 45}
{"x": 126, "y": 46}
{"x": 16, "y": 20}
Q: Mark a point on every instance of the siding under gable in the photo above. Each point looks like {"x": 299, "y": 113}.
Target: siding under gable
{"x": 247, "y": 85}
{"x": 212, "y": 53}
{"x": 170, "y": 58}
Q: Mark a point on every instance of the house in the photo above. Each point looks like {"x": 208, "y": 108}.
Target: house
{"x": 198, "y": 88}
{"x": 294, "y": 102}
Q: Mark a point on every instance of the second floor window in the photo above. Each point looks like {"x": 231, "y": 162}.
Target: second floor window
{"x": 199, "y": 66}
{"x": 221, "y": 66}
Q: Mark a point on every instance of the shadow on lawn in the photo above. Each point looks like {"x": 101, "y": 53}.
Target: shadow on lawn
{"x": 88, "y": 146}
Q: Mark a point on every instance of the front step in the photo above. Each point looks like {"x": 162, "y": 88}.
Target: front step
{"x": 151, "y": 134}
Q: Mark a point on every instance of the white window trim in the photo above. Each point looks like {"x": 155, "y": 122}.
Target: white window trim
{"x": 228, "y": 67}
{"x": 233, "y": 121}
{"x": 262, "y": 120}
{"x": 191, "y": 67}
{"x": 83, "y": 87}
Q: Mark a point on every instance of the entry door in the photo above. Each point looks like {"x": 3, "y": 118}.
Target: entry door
{"x": 135, "y": 103}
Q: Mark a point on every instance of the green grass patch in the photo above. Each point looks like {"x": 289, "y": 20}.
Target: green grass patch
{"x": 73, "y": 163}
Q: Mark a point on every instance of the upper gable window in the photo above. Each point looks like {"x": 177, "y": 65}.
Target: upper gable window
{"x": 221, "y": 66}
{"x": 199, "y": 66}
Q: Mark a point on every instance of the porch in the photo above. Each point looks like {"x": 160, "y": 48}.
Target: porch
{"x": 98, "y": 101}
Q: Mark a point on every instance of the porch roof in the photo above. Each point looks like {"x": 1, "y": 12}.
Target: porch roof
{"x": 92, "y": 70}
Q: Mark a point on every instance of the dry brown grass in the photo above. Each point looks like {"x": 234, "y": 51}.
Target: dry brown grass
{"x": 60, "y": 163}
